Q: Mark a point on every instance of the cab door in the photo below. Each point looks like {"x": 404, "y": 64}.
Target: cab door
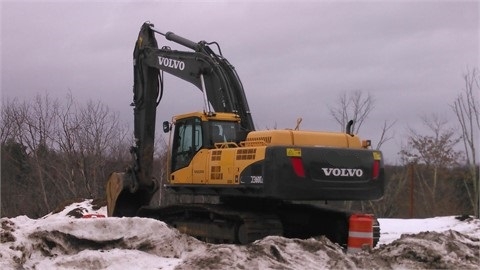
{"x": 187, "y": 143}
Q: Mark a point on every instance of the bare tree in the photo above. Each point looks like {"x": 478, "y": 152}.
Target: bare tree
{"x": 31, "y": 126}
{"x": 435, "y": 151}
{"x": 7, "y": 123}
{"x": 70, "y": 148}
{"x": 13, "y": 118}
{"x": 356, "y": 107}
{"x": 16, "y": 187}
{"x": 68, "y": 126}
{"x": 36, "y": 134}
{"x": 99, "y": 128}
{"x": 386, "y": 134}
{"x": 89, "y": 137}
{"x": 467, "y": 109}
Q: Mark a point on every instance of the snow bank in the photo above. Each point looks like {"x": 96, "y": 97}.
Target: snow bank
{"x": 59, "y": 240}
{"x": 392, "y": 229}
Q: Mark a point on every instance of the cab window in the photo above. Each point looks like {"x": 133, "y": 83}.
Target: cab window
{"x": 222, "y": 131}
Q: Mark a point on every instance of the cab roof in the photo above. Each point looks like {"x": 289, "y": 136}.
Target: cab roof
{"x": 214, "y": 116}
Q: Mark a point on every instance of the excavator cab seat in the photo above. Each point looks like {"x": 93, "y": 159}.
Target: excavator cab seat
{"x": 217, "y": 136}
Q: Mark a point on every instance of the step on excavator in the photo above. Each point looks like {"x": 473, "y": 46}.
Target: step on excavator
{"x": 270, "y": 182}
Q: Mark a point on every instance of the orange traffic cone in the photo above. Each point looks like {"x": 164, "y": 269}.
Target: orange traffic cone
{"x": 360, "y": 233}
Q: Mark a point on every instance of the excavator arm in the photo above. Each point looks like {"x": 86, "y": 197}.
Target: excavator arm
{"x": 208, "y": 71}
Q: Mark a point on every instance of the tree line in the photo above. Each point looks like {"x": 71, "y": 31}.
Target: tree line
{"x": 53, "y": 151}
{"x": 438, "y": 172}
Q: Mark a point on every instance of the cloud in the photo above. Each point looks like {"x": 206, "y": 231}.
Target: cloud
{"x": 294, "y": 57}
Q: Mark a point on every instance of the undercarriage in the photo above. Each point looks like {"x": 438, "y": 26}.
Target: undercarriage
{"x": 240, "y": 221}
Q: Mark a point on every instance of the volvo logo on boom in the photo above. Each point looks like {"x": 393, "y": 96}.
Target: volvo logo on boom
{"x": 171, "y": 63}
{"x": 343, "y": 172}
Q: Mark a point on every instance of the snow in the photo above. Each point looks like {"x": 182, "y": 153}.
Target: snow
{"x": 392, "y": 229}
{"x": 62, "y": 241}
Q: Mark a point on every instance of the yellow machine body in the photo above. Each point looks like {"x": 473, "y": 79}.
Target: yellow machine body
{"x": 221, "y": 164}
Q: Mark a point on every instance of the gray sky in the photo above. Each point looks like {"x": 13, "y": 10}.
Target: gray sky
{"x": 294, "y": 57}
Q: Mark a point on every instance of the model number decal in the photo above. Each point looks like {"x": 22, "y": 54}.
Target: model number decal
{"x": 256, "y": 180}
{"x": 343, "y": 172}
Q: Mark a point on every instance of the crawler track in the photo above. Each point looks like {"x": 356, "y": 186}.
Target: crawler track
{"x": 217, "y": 223}
{"x": 242, "y": 224}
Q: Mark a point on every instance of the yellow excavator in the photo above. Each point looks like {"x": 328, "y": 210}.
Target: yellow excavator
{"x": 271, "y": 182}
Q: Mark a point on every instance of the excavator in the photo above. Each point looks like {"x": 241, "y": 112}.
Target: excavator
{"x": 269, "y": 182}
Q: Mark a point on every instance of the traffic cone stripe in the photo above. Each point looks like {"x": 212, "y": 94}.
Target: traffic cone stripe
{"x": 367, "y": 235}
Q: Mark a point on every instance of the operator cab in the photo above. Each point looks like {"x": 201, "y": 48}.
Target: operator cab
{"x": 196, "y": 131}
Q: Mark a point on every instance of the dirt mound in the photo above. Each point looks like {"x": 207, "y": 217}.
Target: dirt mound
{"x": 426, "y": 250}
{"x": 272, "y": 252}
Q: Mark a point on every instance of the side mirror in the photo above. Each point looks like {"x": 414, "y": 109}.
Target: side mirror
{"x": 166, "y": 126}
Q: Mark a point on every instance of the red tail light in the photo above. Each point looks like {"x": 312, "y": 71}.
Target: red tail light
{"x": 376, "y": 169}
{"x": 298, "y": 166}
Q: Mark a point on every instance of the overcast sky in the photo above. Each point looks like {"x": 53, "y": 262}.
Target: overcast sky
{"x": 294, "y": 57}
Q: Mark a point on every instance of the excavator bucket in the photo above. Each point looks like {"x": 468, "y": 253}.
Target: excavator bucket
{"x": 122, "y": 199}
